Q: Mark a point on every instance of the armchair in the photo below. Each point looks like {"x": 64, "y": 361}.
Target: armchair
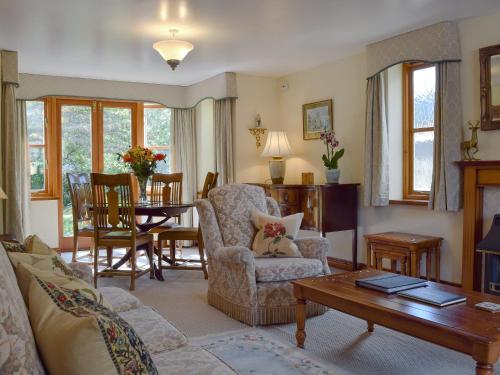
{"x": 256, "y": 291}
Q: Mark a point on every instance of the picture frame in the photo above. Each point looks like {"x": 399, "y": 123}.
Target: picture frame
{"x": 317, "y": 117}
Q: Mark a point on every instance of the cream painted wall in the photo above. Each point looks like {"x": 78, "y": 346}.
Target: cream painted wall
{"x": 344, "y": 81}
{"x": 255, "y": 95}
{"x": 44, "y": 221}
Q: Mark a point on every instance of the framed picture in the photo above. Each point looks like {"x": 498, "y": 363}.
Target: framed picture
{"x": 317, "y": 118}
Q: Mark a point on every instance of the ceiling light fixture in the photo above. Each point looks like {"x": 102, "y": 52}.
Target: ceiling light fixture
{"x": 173, "y": 50}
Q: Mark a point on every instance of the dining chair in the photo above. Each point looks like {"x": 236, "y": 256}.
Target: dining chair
{"x": 80, "y": 192}
{"x": 114, "y": 226}
{"x": 186, "y": 234}
{"x": 166, "y": 188}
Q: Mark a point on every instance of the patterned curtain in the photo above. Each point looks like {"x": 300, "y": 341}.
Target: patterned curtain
{"x": 376, "y": 189}
{"x": 446, "y": 179}
{"x": 223, "y": 123}
{"x": 184, "y": 153}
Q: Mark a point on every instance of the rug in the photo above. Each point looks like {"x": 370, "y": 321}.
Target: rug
{"x": 255, "y": 352}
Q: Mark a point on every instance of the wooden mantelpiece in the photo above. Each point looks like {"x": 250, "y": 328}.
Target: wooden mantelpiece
{"x": 477, "y": 175}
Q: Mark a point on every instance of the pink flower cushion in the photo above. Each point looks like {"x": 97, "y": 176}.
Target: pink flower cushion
{"x": 276, "y": 234}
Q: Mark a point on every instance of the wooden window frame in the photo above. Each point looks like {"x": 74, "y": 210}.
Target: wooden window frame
{"x": 409, "y": 194}
{"x": 50, "y": 191}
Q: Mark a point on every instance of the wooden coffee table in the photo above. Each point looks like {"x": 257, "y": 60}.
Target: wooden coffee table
{"x": 460, "y": 327}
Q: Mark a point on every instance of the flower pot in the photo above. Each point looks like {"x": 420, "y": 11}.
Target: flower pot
{"x": 332, "y": 176}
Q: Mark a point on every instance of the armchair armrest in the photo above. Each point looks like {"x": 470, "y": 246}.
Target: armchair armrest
{"x": 82, "y": 271}
{"x": 234, "y": 254}
{"x": 315, "y": 247}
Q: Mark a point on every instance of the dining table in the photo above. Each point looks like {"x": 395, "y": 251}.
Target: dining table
{"x": 151, "y": 210}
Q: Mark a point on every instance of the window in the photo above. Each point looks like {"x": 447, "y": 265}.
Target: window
{"x": 157, "y": 132}
{"x": 37, "y": 143}
{"x": 419, "y": 83}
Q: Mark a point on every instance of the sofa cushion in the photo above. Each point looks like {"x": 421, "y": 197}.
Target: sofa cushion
{"x": 76, "y": 336}
{"x": 190, "y": 360}
{"x": 282, "y": 269}
{"x": 120, "y": 299}
{"x": 233, "y": 205}
{"x": 25, "y": 276}
{"x": 35, "y": 245}
{"x": 156, "y": 332}
{"x": 18, "y": 354}
{"x": 276, "y": 234}
{"x": 52, "y": 262}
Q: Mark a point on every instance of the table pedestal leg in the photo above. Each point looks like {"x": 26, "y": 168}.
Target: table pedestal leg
{"x": 484, "y": 369}
{"x": 300, "y": 335}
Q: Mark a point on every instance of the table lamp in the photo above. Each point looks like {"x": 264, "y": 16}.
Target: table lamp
{"x": 276, "y": 147}
{"x": 2, "y": 194}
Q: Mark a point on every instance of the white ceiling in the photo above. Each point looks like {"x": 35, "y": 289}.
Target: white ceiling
{"x": 112, "y": 39}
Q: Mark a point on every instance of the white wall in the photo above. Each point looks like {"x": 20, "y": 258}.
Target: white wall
{"x": 44, "y": 221}
{"x": 344, "y": 81}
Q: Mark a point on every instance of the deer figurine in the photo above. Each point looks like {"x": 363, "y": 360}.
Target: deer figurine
{"x": 469, "y": 148}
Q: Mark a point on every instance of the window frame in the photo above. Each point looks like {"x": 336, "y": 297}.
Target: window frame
{"x": 409, "y": 194}
{"x": 155, "y": 148}
{"x": 49, "y": 192}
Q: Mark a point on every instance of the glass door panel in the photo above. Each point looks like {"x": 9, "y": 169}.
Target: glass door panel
{"x": 117, "y": 137}
{"x": 76, "y": 156}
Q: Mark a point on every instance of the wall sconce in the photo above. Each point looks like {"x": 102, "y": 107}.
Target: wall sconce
{"x": 258, "y": 131}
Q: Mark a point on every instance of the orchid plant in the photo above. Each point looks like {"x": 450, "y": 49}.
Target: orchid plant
{"x": 333, "y": 154}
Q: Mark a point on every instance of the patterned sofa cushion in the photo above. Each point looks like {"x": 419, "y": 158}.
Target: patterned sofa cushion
{"x": 18, "y": 354}
{"x": 91, "y": 339}
{"x": 156, "y": 332}
{"x": 120, "y": 299}
{"x": 233, "y": 205}
{"x": 282, "y": 269}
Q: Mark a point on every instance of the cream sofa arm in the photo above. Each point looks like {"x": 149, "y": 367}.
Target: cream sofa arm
{"x": 315, "y": 247}
{"x": 82, "y": 271}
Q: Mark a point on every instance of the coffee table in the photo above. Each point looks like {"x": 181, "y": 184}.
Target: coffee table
{"x": 460, "y": 327}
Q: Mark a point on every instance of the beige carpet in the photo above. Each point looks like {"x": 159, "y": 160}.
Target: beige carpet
{"x": 337, "y": 338}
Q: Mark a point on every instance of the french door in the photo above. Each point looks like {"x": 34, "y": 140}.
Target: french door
{"x": 91, "y": 133}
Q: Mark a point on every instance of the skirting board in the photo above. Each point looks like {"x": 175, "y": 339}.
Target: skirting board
{"x": 344, "y": 264}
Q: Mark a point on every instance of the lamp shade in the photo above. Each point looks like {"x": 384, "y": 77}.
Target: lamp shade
{"x": 173, "y": 49}
{"x": 2, "y": 194}
{"x": 277, "y": 145}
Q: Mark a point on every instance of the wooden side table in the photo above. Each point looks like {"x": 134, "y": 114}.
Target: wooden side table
{"x": 406, "y": 248}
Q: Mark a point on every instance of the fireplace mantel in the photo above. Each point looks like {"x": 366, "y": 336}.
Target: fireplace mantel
{"x": 477, "y": 175}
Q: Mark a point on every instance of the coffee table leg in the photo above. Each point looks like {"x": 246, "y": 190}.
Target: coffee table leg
{"x": 370, "y": 326}
{"x": 300, "y": 335}
{"x": 484, "y": 369}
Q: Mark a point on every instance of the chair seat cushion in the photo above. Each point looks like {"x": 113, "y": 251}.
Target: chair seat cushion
{"x": 282, "y": 269}
{"x": 157, "y": 333}
{"x": 123, "y": 235}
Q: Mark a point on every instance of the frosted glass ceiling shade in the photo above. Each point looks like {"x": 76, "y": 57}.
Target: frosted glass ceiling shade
{"x": 277, "y": 145}
{"x": 173, "y": 50}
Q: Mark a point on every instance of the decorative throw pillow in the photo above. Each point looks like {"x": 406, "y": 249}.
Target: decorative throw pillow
{"x": 76, "y": 336}
{"x": 276, "y": 234}
{"x": 52, "y": 262}
{"x": 26, "y": 273}
{"x": 34, "y": 245}
{"x": 14, "y": 247}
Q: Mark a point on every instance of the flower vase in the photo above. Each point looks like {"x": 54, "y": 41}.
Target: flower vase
{"x": 143, "y": 183}
{"x": 332, "y": 176}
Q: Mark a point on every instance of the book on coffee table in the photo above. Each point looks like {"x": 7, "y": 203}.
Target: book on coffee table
{"x": 391, "y": 283}
{"x": 433, "y": 296}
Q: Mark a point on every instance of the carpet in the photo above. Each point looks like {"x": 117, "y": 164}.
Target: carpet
{"x": 255, "y": 351}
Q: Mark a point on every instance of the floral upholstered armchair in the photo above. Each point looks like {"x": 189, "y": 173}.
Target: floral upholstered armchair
{"x": 256, "y": 291}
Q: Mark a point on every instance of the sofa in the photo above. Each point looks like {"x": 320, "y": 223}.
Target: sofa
{"x": 254, "y": 290}
{"x": 169, "y": 348}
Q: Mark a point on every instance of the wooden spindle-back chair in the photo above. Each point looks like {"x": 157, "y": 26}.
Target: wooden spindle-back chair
{"x": 80, "y": 191}
{"x": 166, "y": 188}
{"x": 186, "y": 234}
{"x": 114, "y": 225}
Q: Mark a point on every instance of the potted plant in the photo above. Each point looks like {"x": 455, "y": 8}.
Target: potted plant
{"x": 142, "y": 161}
{"x": 332, "y": 156}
